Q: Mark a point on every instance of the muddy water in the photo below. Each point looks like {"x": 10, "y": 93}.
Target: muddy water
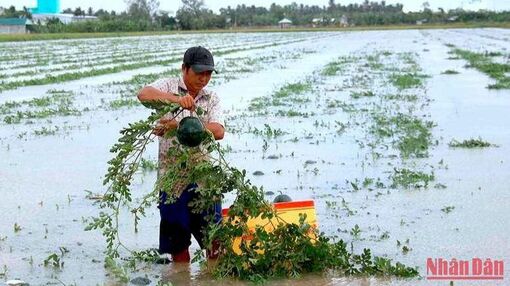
{"x": 43, "y": 180}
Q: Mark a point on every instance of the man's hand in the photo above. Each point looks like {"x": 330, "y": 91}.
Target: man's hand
{"x": 187, "y": 102}
{"x": 164, "y": 125}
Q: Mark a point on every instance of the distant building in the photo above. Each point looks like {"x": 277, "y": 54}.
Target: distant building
{"x": 50, "y": 9}
{"x": 421, "y": 22}
{"x": 285, "y": 23}
{"x": 14, "y": 25}
{"x": 317, "y": 22}
{"x": 453, "y": 18}
{"x": 64, "y": 18}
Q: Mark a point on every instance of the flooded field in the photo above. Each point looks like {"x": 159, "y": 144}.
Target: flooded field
{"x": 400, "y": 137}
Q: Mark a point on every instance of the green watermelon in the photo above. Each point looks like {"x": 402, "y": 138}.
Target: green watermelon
{"x": 282, "y": 199}
{"x": 191, "y": 131}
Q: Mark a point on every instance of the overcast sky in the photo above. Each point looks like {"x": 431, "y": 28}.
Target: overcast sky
{"x": 173, "y": 5}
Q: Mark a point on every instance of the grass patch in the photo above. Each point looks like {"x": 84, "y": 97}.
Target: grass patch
{"x": 470, "y": 143}
{"x": 450, "y": 72}
{"x": 46, "y": 131}
{"x": 407, "y": 80}
{"x": 292, "y": 113}
{"x": 7, "y": 107}
{"x": 448, "y": 209}
{"x": 267, "y": 132}
{"x": 333, "y": 68}
{"x": 484, "y": 63}
{"x": 59, "y": 102}
{"x": 258, "y": 103}
{"x": 401, "y": 97}
{"x": 60, "y": 110}
{"x": 123, "y": 102}
{"x": 492, "y": 54}
{"x": 356, "y": 95}
{"x": 49, "y": 78}
{"x": 414, "y": 134}
{"x": 346, "y": 107}
{"x": 282, "y": 96}
{"x": 292, "y": 89}
{"x": 407, "y": 178}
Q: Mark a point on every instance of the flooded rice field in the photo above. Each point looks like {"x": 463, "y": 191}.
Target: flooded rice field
{"x": 400, "y": 137}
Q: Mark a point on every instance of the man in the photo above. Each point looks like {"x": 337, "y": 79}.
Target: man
{"x": 178, "y": 223}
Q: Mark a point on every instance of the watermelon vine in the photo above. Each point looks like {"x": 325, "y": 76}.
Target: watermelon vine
{"x": 287, "y": 251}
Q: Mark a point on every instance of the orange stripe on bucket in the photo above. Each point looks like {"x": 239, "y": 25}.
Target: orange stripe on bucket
{"x": 293, "y": 205}
{"x": 284, "y": 205}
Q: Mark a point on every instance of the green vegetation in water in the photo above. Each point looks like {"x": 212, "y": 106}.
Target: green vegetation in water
{"x": 293, "y": 113}
{"x": 53, "y": 260}
{"x": 448, "y": 209}
{"x": 59, "y": 102}
{"x": 267, "y": 132}
{"x": 50, "y": 78}
{"x": 401, "y": 97}
{"x": 470, "y": 143}
{"x": 411, "y": 179}
{"x": 414, "y": 134}
{"x": 123, "y": 102}
{"x": 407, "y": 80}
{"x": 340, "y": 104}
{"x": 140, "y": 80}
{"x": 492, "y": 54}
{"x": 284, "y": 96}
{"x": 360, "y": 94}
{"x": 333, "y": 68}
{"x": 20, "y": 115}
{"x": 292, "y": 89}
{"x": 289, "y": 250}
{"x": 450, "y": 72}
{"x": 258, "y": 103}
{"x": 46, "y": 131}
{"x": 484, "y": 63}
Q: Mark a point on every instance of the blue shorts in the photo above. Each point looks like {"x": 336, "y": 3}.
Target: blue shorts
{"x": 178, "y": 222}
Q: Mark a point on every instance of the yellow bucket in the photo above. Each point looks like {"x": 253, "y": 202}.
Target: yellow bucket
{"x": 288, "y": 212}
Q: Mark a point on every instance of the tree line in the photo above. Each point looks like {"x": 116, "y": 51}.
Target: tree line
{"x": 145, "y": 15}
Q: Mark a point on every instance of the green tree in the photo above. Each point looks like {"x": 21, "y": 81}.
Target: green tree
{"x": 191, "y": 15}
{"x": 79, "y": 12}
{"x": 142, "y": 10}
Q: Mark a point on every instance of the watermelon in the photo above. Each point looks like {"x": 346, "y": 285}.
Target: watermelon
{"x": 191, "y": 131}
{"x": 282, "y": 198}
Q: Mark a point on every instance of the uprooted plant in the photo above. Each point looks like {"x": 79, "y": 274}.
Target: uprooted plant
{"x": 281, "y": 250}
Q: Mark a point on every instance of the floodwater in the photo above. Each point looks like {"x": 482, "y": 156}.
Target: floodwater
{"x": 44, "y": 179}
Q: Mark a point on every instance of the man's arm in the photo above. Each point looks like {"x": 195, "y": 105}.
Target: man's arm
{"x": 216, "y": 129}
{"x": 150, "y": 93}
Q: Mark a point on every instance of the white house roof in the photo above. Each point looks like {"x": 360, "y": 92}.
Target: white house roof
{"x": 285, "y": 21}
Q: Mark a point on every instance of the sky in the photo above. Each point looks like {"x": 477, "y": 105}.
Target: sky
{"x": 215, "y": 5}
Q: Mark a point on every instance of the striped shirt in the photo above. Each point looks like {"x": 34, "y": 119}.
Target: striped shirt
{"x": 207, "y": 100}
